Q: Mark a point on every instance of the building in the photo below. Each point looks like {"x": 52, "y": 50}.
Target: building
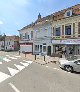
{"x": 26, "y": 38}
{"x": 66, "y": 30}
{"x": 42, "y": 39}
{"x": 54, "y": 33}
{"x": 11, "y": 43}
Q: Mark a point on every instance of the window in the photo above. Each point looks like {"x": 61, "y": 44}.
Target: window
{"x": 68, "y": 13}
{"x": 28, "y": 36}
{"x": 57, "y": 31}
{"x": 36, "y": 47}
{"x": 68, "y": 30}
{"x": 44, "y": 48}
{"x": 25, "y": 35}
{"x": 20, "y": 36}
{"x": 31, "y": 34}
{"x": 9, "y": 43}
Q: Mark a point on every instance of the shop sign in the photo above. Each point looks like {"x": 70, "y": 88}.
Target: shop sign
{"x": 71, "y": 41}
{"x": 67, "y": 41}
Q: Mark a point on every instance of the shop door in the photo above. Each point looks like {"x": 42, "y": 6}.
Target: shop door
{"x": 49, "y": 50}
{"x": 40, "y": 48}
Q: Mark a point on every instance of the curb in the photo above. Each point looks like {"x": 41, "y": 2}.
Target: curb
{"x": 47, "y": 62}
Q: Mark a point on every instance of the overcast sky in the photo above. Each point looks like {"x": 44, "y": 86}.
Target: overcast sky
{"x": 15, "y": 14}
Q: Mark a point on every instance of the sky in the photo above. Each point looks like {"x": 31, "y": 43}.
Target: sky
{"x": 15, "y": 14}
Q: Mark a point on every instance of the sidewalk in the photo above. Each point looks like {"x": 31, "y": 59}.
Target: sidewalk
{"x": 40, "y": 59}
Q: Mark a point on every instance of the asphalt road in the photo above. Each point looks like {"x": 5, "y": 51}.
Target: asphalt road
{"x": 21, "y": 75}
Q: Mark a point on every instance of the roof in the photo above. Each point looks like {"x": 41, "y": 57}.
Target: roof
{"x": 55, "y": 16}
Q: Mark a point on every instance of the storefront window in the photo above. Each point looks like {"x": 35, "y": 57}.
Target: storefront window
{"x": 58, "y": 31}
{"x": 36, "y": 47}
{"x": 68, "y": 30}
{"x": 44, "y": 48}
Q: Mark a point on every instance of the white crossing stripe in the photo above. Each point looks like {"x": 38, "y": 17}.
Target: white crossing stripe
{"x": 13, "y": 71}
{"x": 47, "y": 66}
{"x": 5, "y": 59}
{"x": 29, "y": 62}
{"x": 12, "y": 57}
{"x": 0, "y": 62}
{"x": 17, "y": 56}
{"x": 19, "y": 67}
{"x": 25, "y": 64}
{"x": 15, "y": 89}
{"x": 7, "y": 55}
{"x": 3, "y": 76}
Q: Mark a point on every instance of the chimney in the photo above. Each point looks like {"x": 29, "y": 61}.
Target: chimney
{"x": 39, "y": 16}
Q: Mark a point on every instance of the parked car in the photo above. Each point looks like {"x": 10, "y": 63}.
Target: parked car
{"x": 70, "y": 65}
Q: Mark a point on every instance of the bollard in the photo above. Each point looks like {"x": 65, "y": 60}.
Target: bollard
{"x": 44, "y": 58}
{"x": 19, "y": 52}
{"x": 35, "y": 57}
{"x": 25, "y": 54}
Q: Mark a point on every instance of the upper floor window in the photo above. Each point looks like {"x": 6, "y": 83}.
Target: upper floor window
{"x": 28, "y": 36}
{"x": 68, "y": 30}
{"x": 9, "y": 43}
{"x": 31, "y": 34}
{"x": 20, "y": 36}
{"x": 25, "y": 35}
{"x": 57, "y": 33}
{"x": 68, "y": 13}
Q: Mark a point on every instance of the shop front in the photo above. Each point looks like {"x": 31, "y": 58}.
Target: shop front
{"x": 68, "y": 46}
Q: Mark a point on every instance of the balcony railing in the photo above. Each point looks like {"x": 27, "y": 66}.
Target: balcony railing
{"x": 66, "y": 36}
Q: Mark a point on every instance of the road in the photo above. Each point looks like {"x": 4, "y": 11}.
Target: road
{"x": 22, "y": 75}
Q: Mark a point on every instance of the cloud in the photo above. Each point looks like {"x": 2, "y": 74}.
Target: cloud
{"x": 1, "y": 22}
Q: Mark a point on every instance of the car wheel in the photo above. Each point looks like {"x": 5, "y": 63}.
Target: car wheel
{"x": 68, "y": 68}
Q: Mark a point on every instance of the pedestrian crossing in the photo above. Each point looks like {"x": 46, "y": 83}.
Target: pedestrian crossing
{"x": 12, "y": 65}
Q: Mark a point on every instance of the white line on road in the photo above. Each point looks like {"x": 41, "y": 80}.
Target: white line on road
{"x": 12, "y": 57}
{"x": 28, "y": 61}
{"x": 5, "y": 59}
{"x": 17, "y": 56}
{"x": 47, "y": 66}
{"x": 15, "y": 89}
{"x": 25, "y": 64}
{"x": 19, "y": 67}
{"x": 0, "y": 62}
{"x": 13, "y": 71}
{"x": 3, "y": 76}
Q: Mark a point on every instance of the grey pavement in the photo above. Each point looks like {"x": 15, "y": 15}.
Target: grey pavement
{"x": 36, "y": 77}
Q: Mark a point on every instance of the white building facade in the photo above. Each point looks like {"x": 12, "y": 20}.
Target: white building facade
{"x": 26, "y": 39}
{"x": 42, "y": 40}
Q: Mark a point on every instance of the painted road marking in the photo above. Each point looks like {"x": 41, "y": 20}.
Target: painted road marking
{"x": 0, "y": 62}
{"x": 5, "y": 59}
{"x": 14, "y": 88}
{"x": 12, "y": 57}
{"x": 47, "y": 66}
{"x": 13, "y": 71}
{"x": 7, "y": 55}
{"x": 28, "y": 61}
{"x": 19, "y": 67}
{"x": 25, "y": 64}
{"x": 17, "y": 56}
{"x": 3, "y": 76}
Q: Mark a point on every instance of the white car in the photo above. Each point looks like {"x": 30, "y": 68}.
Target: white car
{"x": 70, "y": 65}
